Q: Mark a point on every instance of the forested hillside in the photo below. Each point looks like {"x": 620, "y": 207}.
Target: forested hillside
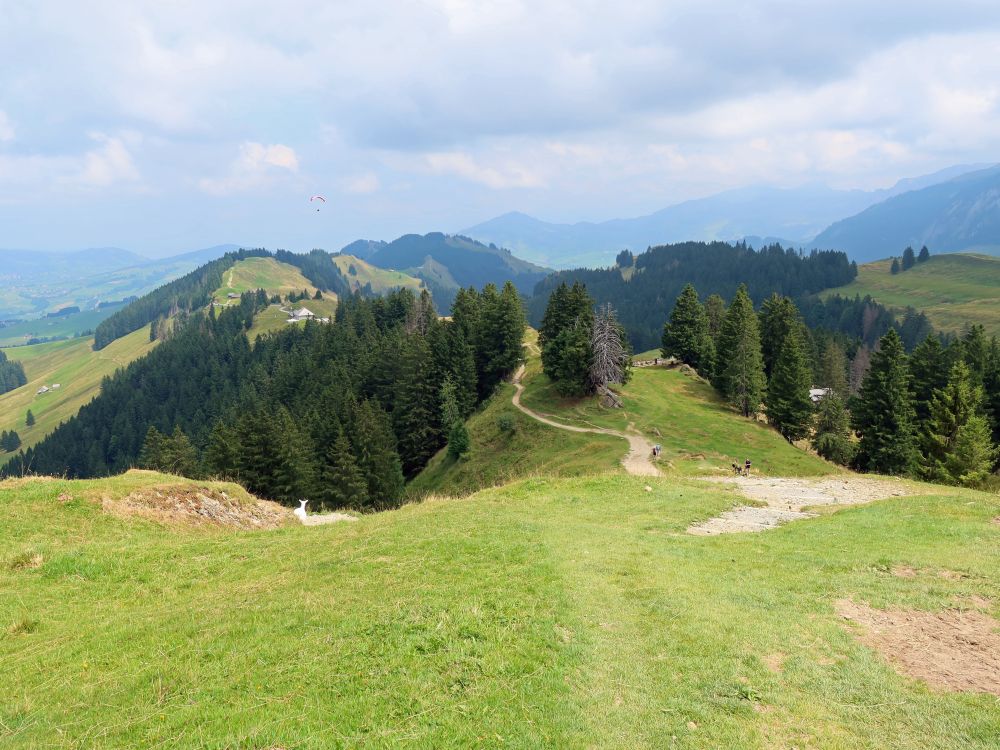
{"x": 337, "y": 412}
{"x": 643, "y": 288}
{"x": 447, "y": 263}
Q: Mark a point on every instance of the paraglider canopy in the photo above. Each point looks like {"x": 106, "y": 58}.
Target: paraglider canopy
{"x": 315, "y": 198}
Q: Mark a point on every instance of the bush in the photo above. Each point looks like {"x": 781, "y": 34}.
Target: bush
{"x": 505, "y": 423}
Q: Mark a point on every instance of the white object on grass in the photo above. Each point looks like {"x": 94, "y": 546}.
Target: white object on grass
{"x": 300, "y": 512}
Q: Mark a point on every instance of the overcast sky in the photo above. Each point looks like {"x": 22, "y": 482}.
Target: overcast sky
{"x": 169, "y": 126}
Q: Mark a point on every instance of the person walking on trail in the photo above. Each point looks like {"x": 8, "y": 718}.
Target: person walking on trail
{"x": 656, "y": 450}
{"x": 746, "y": 468}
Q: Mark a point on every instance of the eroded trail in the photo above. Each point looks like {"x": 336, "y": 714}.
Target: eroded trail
{"x": 637, "y": 462}
{"x": 786, "y": 499}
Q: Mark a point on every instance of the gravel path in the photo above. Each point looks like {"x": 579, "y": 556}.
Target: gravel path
{"x": 637, "y": 462}
{"x": 785, "y": 500}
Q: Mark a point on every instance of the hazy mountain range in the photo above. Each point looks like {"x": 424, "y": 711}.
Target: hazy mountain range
{"x": 793, "y": 215}
{"x": 33, "y": 283}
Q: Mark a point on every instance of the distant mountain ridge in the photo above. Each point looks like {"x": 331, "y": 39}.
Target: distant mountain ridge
{"x": 446, "y": 262}
{"x": 795, "y": 215}
{"x": 962, "y": 214}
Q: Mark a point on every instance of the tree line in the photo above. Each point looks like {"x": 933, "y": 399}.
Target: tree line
{"x": 340, "y": 413}
{"x": 642, "y": 288}
{"x": 933, "y": 414}
{"x": 11, "y": 374}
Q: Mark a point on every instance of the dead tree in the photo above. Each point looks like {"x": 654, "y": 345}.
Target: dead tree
{"x": 611, "y": 356}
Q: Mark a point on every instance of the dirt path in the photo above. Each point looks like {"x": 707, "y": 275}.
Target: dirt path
{"x": 786, "y": 498}
{"x": 321, "y": 519}
{"x": 637, "y": 462}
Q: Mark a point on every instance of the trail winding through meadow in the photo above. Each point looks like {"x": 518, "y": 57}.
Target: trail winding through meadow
{"x": 637, "y": 462}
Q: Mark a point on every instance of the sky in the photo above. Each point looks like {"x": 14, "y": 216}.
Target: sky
{"x": 162, "y": 127}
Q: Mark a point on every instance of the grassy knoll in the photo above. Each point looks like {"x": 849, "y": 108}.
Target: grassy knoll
{"x": 549, "y": 613}
{"x": 528, "y": 448}
{"x": 698, "y": 432}
{"x": 76, "y": 367}
{"x": 262, "y": 273}
{"x": 954, "y": 290}
{"x": 381, "y": 279}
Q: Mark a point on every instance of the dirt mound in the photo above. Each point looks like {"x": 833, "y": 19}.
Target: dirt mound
{"x": 199, "y": 505}
{"x": 952, "y": 650}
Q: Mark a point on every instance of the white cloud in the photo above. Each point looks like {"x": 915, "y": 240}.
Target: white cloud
{"x": 105, "y": 165}
{"x": 257, "y": 166}
{"x": 507, "y": 174}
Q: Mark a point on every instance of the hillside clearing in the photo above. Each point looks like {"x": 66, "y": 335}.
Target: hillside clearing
{"x": 359, "y": 273}
{"x": 953, "y": 290}
{"x": 250, "y": 274}
{"x": 78, "y": 370}
{"x": 548, "y": 613}
{"x": 698, "y": 432}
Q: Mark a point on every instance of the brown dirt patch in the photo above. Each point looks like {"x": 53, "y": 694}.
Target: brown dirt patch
{"x": 904, "y": 571}
{"x": 951, "y": 650}
{"x": 775, "y": 662}
{"x": 199, "y": 505}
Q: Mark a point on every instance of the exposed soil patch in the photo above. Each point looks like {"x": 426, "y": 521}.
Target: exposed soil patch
{"x": 904, "y": 571}
{"x": 775, "y": 662}
{"x": 784, "y": 499}
{"x": 200, "y": 506}
{"x": 951, "y": 650}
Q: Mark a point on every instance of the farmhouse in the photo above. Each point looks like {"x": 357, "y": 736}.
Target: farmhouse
{"x": 818, "y": 394}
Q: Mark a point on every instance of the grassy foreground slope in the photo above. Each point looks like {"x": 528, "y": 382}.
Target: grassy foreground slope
{"x": 549, "y": 613}
{"x": 698, "y": 432}
{"x": 953, "y": 290}
{"x": 78, "y": 370}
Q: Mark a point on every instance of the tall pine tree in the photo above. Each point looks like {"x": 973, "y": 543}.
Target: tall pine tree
{"x": 686, "y": 335}
{"x": 884, "y": 415}
{"x": 789, "y": 408}
{"x": 740, "y": 374}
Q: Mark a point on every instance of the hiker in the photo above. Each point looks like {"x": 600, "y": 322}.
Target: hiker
{"x": 656, "y": 450}
{"x": 736, "y": 469}
{"x": 746, "y": 468}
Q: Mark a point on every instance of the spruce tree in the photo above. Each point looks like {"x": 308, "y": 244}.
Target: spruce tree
{"x": 29, "y": 419}
{"x": 894, "y": 268}
{"x": 884, "y": 415}
{"x": 833, "y": 368}
{"x": 375, "y": 448}
{"x": 909, "y": 259}
{"x": 959, "y": 444}
{"x": 416, "y": 412}
{"x": 832, "y": 438}
{"x": 570, "y": 357}
{"x": 789, "y": 408}
{"x": 715, "y": 309}
{"x": 686, "y": 335}
{"x": 975, "y": 350}
{"x": 740, "y": 374}
{"x": 342, "y": 483}
{"x": 925, "y": 255}
{"x": 778, "y": 318}
{"x": 151, "y": 455}
{"x": 928, "y": 373}
{"x": 221, "y": 452}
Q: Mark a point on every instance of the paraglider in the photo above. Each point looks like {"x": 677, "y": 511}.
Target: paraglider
{"x": 315, "y": 198}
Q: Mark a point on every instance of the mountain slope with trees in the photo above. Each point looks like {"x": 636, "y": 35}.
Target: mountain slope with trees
{"x": 446, "y": 263}
{"x": 961, "y": 214}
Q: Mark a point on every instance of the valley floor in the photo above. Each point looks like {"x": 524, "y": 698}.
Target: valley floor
{"x": 572, "y": 612}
